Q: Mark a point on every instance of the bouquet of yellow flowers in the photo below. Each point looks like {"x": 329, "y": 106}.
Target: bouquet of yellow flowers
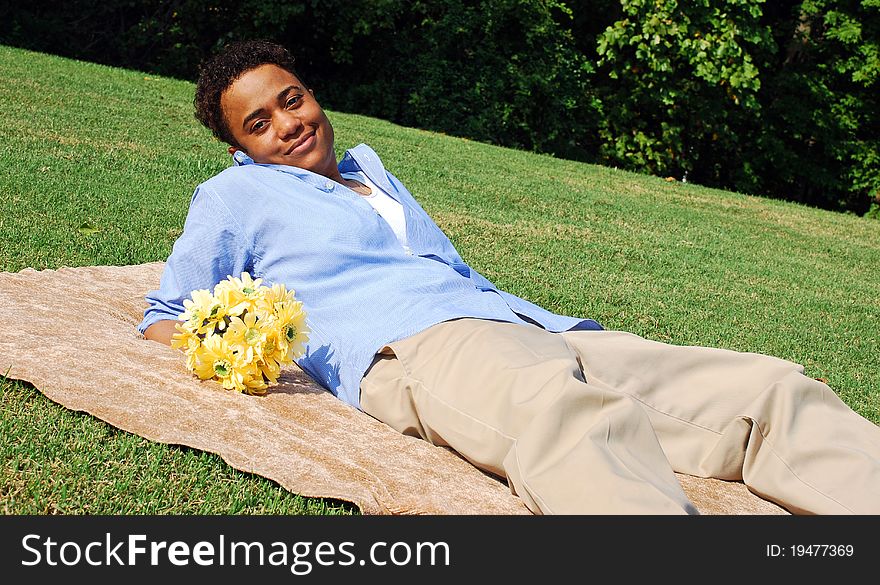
{"x": 242, "y": 334}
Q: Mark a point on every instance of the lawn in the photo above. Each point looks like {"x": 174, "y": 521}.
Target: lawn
{"x": 97, "y": 166}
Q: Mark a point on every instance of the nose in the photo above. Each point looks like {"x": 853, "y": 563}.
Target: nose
{"x": 287, "y": 124}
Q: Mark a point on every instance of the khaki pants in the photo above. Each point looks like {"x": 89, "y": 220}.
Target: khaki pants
{"x": 596, "y": 422}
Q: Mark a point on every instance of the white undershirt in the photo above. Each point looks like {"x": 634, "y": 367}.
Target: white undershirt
{"x": 385, "y": 205}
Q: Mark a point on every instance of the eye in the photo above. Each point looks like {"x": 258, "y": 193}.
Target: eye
{"x": 293, "y": 100}
{"x": 259, "y": 125}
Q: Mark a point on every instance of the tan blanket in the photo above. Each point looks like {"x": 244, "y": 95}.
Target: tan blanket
{"x": 298, "y": 435}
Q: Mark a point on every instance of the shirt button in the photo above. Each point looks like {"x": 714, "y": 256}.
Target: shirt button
{"x": 328, "y": 185}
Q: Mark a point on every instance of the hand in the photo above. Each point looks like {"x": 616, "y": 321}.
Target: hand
{"x": 161, "y": 331}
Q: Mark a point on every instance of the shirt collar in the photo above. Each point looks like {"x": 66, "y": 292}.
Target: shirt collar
{"x": 239, "y": 158}
{"x": 363, "y": 158}
{"x": 360, "y": 158}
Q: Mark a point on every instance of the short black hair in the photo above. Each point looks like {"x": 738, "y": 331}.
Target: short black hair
{"x": 219, "y": 72}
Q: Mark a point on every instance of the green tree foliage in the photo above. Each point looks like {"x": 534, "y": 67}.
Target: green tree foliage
{"x": 500, "y": 71}
{"x": 820, "y": 141}
{"x": 775, "y": 98}
{"x": 683, "y": 86}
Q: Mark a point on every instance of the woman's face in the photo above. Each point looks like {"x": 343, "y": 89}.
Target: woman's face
{"x": 276, "y": 120}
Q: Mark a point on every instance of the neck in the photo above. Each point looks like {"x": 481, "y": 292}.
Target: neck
{"x": 335, "y": 175}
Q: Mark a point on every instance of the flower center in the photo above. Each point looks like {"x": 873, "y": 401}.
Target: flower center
{"x": 252, "y": 335}
{"x": 221, "y": 368}
{"x": 290, "y": 333}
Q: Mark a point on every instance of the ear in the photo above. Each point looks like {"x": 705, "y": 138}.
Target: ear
{"x": 231, "y": 150}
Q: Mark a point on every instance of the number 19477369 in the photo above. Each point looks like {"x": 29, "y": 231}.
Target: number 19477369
{"x": 810, "y": 550}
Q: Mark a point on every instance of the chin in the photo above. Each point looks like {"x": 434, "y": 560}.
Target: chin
{"x": 306, "y": 164}
{"x": 317, "y": 164}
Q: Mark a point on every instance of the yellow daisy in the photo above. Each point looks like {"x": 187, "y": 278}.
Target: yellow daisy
{"x": 214, "y": 358}
{"x": 246, "y": 331}
{"x": 240, "y": 294}
{"x": 278, "y": 293}
{"x": 294, "y": 333}
{"x": 275, "y": 347}
{"x": 253, "y": 381}
{"x": 270, "y": 367}
{"x": 187, "y": 341}
{"x": 199, "y": 312}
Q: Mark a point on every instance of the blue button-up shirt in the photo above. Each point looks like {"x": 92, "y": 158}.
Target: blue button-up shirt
{"x": 360, "y": 288}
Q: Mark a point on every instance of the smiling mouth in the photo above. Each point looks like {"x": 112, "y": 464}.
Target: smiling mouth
{"x": 302, "y": 144}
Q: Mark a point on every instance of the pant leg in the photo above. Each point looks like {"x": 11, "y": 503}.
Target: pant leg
{"x": 737, "y": 415}
{"x": 511, "y": 399}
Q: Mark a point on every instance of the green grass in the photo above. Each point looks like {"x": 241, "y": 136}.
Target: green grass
{"x": 97, "y": 166}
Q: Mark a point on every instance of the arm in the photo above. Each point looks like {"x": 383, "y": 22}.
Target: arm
{"x": 161, "y": 331}
{"x": 208, "y": 250}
